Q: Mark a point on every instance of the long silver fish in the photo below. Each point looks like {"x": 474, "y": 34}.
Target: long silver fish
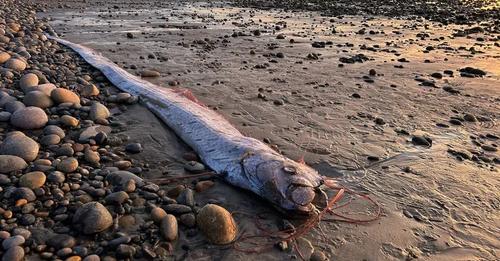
{"x": 242, "y": 161}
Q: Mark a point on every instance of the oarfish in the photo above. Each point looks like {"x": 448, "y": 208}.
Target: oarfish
{"x": 242, "y": 161}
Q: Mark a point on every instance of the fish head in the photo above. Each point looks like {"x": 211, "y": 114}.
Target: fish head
{"x": 292, "y": 186}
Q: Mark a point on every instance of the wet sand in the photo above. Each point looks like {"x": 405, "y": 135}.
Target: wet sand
{"x": 439, "y": 202}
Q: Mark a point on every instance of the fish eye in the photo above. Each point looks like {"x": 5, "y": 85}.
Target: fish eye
{"x": 290, "y": 169}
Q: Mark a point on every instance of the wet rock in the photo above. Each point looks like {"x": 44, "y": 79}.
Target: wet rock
{"x": 38, "y": 99}
{"x": 32, "y": 180}
{"x": 61, "y": 95}
{"x": 9, "y": 163}
{"x": 194, "y": 167}
{"x": 92, "y": 217}
{"x": 18, "y": 144}
{"x": 188, "y": 219}
{"x": 421, "y": 141}
{"x": 217, "y": 224}
{"x": 169, "y": 227}
{"x": 177, "y": 209}
{"x": 29, "y": 118}
{"x": 92, "y": 131}
{"x": 98, "y": 111}
{"x": 68, "y": 165}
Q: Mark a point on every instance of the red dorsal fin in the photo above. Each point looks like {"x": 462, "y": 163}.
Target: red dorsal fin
{"x": 188, "y": 94}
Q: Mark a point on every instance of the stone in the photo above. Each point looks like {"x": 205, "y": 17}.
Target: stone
{"x": 318, "y": 255}
{"x": 89, "y": 90}
{"x": 29, "y": 118}
{"x": 98, "y": 111}
{"x": 133, "y": 147}
{"x": 18, "y": 144}
{"x": 92, "y": 258}
{"x": 68, "y": 165}
{"x": 169, "y": 227}
{"x": 12, "y": 242}
{"x": 188, "y": 219}
{"x": 56, "y": 177}
{"x": 15, "y": 64}
{"x": 28, "y": 80}
{"x": 24, "y": 193}
{"x": 121, "y": 177}
{"x": 5, "y": 116}
{"x": 14, "y": 254}
{"x": 217, "y": 224}
{"x": 9, "y": 163}
{"x": 53, "y": 129}
{"x": 38, "y": 99}
{"x": 4, "y": 56}
{"x": 46, "y": 88}
{"x": 92, "y": 218}
{"x": 116, "y": 198}
{"x": 59, "y": 241}
{"x": 125, "y": 251}
{"x": 92, "y": 156}
{"x": 32, "y": 180}
{"x": 203, "y": 185}
{"x": 69, "y": 121}
{"x": 90, "y": 132}
{"x": 194, "y": 167}
{"x": 150, "y": 73}
{"x": 14, "y": 106}
{"x": 61, "y": 95}
{"x": 157, "y": 214}
{"x": 51, "y": 139}
{"x": 177, "y": 209}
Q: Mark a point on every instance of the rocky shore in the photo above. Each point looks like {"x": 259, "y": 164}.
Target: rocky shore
{"x": 69, "y": 188}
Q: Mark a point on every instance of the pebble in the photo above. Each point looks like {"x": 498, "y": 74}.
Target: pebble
{"x": 60, "y": 241}
{"x": 18, "y": 144}
{"x": 217, "y": 224}
{"x": 4, "y": 56}
{"x": 68, "y": 165}
{"x": 69, "y": 121}
{"x": 24, "y": 193}
{"x": 203, "y": 185}
{"x": 177, "y": 209}
{"x": 125, "y": 251}
{"x": 38, "y": 99}
{"x": 29, "y": 118}
{"x": 116, "y": 198}
{"x": 93, "y": 217}
{"x": 9, "y": 163}
{"x": 157, "y": 214}
{"x": 46, "y": 88}
{"x": 14, "y": 254}
{"x": 422, "y": 141}
{"x": 194, "y": 167}
{"x": 53, "y": 129}
{"x": 169, "y": 227}
{"x": 133, "y": 148}
{"x": 92, "y": 157}
{"x": 150, "y": 73}
{"x": 121, "y": 177}
{"x": 32, "y": 180}
{"x": 51, "y": 139}
{"x": 188, "y": 219}
{"x": 61, "y": 95}
{"x": 98, "y": 111}
{"x": 318, "y": 255}
{"x": 92, "y": 258}
{"x": 12, "y": 242}
{"x": 28, "y": 80}
{"x": 15, "y": 64}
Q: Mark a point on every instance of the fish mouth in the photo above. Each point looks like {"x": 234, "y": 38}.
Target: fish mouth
{"x": 306, "y": 199}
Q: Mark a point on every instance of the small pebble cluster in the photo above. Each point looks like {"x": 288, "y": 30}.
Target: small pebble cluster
{"x": 68, "y": 188}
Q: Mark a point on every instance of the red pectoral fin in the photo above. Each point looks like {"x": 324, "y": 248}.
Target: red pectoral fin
{"x": 188, "y": 94}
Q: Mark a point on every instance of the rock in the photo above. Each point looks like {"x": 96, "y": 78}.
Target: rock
{"x": 125, "y": 251}
{"x": 92, "y": 258}
{"x": 38, "y": 99}
{"x": 188, "y": 219}
{"x": 24, "y": 193}
{"x": 56, "y": 177}
{"x": 186, "y": 197}
{"x": 177, "y": 209}
{"x": 169, "y": 227}
{"x": 5, "y": 116}
{"x": 150, "y": 73}
{"x": 28, "y": 80}
{"x": 69, "y": 121}
{"x": 92, "y": 131}
{"x": 18, "y": 144}
{"x": 14, "y": 254}
{"x": 15, "y": 64}
{"x": 157, "y": 214}
{"x": 4, "y": 56}
{"x": 133, "y": 147}
{"x": 116, "y": 198}
{"x": 470, "y": 118}
{"x": 422, "y": 141}
{"x": 92, "y": 217}
{"x": 32, "y": 180}
{"x": 92, "y": 156}
{"x": 54, "y": 130}
{"x": 51, "y": 139}
{"x": 89, "y": 90}
{"x": 29, "y": 118}
{"x": 68, "y": 165}
{"x": 203, "y": 185}
{"x": 318, "y": 255}
{"x": 9, "y": 163}
{"x": 98, "y": 111}
{"x": 217, "y": 224}
{"x": 59, "y": 241}
{"x": 194, "y": 167}
{"x": 12, "y": 242}
{"x": 120, "y": 178}
{"x": 61, "y": 95}
{"x": 46, "y": 88}
{"x": 14, "y": 106}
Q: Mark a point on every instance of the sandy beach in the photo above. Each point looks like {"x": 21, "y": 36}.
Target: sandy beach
{"x": 403, "y": 109}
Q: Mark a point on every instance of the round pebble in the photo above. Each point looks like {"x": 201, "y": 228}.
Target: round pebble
{"x": 20, "y": 145}
{"x": 68, "y": 165}
{"x": 38, "y": 99}
{"x": 61, "y": 95}
{"x": 169, "y": 227}
{"x": 217, "y": 224}
{"x": 92, "y": 217}
{"x": 29, "y": 118}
